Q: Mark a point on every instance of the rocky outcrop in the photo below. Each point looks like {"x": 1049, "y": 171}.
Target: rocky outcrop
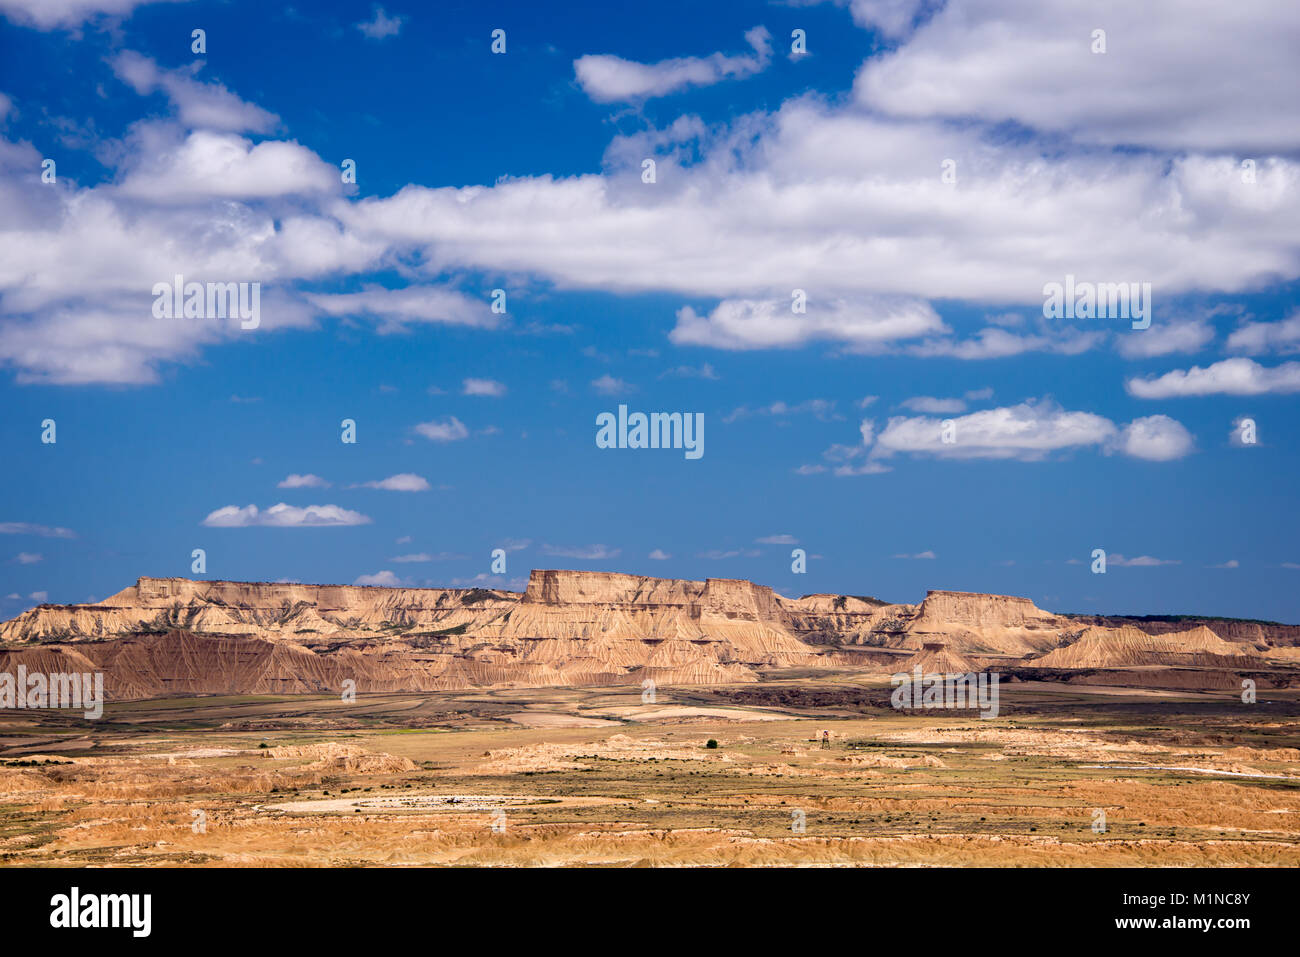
{"x": 1127, "y": 647}
{"x": 168, "y": 636}
{"x": 664, "y": 629}
{"x": 177, "y": 636}
{"x": 846, "y": 619}
{"x": 1267, "y": 634}
{"x": 967, "y": 622}
{"x": 971, "y": 623}
{"x": 264, "y": 609}
{"x": 937, "y": 658}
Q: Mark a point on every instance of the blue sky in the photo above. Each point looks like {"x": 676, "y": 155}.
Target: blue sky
{"x": 920, "y": 173}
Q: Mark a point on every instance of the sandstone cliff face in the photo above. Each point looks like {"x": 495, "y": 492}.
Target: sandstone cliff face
{"x": 846, "y": 619}
{"x": 664, "y": 629}
{"x": 1268, "y": 634}
{"x": 180, "y": 663}
{"x": 167, "y": 636}
{"x": 937, "y": 658}
{"x": 1129, "y": 647}
{"x": 258, "y": 608}
{"x": 984, "y": 624}
{"x": 967, "y": 622}
{"x": 177, "y": 636}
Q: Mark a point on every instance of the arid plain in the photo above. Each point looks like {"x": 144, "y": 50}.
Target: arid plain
{"x": 596, "y": 777}
{"x": 643, "y": 722}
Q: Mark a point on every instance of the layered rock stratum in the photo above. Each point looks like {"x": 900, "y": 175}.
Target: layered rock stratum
{"x": 164, "y": 636}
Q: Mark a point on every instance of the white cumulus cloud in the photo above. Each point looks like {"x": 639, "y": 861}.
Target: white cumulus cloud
{"x": 1237, "y": 376}
{"x": 222, "y": 165}
{"x": 198, "y": 105}
{"x": 1142, "y": 561}
{"x": 610, "y": 79}
{"x": 1157, "y": 438}
{"x": 925, "y": 403}
{"x": 284, "y": 516}
{"x": 449, "y": 430}
{"x": 66, "y": 14}
{"x": 1254, "y": 338}
{"x": 588, "y": 552}
{"x": 402, "y": 482}
{"x": 1212, "y": 76}
{"x": 30, "y": 528}
{"x": 384, "y": 578}
{"x": 1166, "y": 338}
{"x": 1028, "y": 431}
{"x": 488, "y": 387}
{"x": 303, "y": 481}
{"x": 381, "y": 25}
{"x": 395, "y": 308}
{"x": 862, "y": 323}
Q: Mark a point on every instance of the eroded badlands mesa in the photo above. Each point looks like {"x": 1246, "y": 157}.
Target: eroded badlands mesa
{"x": 167, "y": 636}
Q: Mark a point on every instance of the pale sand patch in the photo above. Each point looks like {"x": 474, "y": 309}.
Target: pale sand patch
{"x": 617, "y": 747}
{"x": 1078, "y": 744}
{"x": 1171, "y": 767}
{"x": 550, "y": 719}
{"x": 667, "y": 712}
{"x": 885, "y": 761}
{"x": 1081, "y": 688}
{"x": 433, "y": 802}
